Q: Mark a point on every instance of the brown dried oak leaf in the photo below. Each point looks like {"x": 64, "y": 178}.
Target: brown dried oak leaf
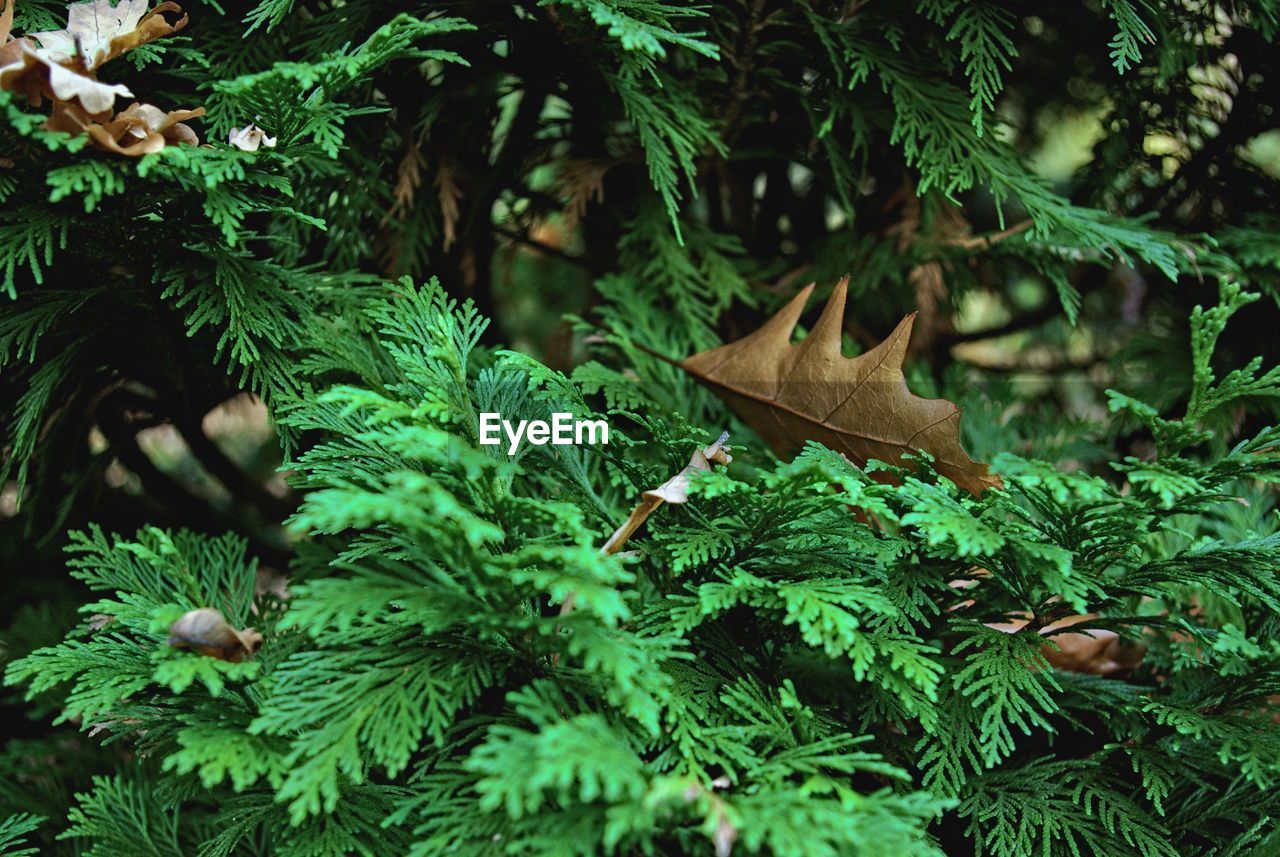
{"x": 858, "y": 406}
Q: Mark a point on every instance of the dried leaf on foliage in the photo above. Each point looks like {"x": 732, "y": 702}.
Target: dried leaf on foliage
{"x": 674, "y": 490}
{"x": 62, "y": 69}
{"x": 859, "y": 406}
{"x": 1095, "y": 651}
{"x": 135, "y": 131}
{"x": 250, "y": 138}
{"x": 142, "y": 128}
{"x": 207, "y": 632}
{"x": 98, "y": 31}
{"x": 36, "y": 76}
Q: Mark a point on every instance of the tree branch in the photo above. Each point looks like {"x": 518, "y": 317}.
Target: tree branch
{"x": 523, "y": 238}
{"x": 979, "y": 243}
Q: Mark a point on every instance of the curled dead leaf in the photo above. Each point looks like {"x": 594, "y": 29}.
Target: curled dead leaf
{"x": 143, "y": 128}
{"x": 36, "y": 76}
{"x": 249, "y": 138}
{"x": 674, "y": 490}
{"x": 69, "y": 117}
{"x": 137, "y": 130}
{"x": 98, "y": 31}
{"x": 207, "y": 632}
{"x": 62, "y": 68}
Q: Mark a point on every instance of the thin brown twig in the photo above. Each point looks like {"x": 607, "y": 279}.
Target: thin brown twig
{"x": 533, "y": 243}
{"x": 984, "y": 242}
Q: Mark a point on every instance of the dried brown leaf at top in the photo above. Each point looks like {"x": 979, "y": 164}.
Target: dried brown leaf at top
{"x": 858, "y": 406}
{"x": 98, "y": 31}
{"x": 207, "y": 632}
{"x": 36, "y": 76}
{"x": 62, "y": 69}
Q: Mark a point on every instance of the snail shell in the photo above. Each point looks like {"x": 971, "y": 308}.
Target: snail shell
{"x": 208, "y": 632}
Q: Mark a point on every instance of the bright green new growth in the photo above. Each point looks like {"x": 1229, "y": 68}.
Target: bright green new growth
{"x": 806, "y": 659}
{"x": 416, "y": 647}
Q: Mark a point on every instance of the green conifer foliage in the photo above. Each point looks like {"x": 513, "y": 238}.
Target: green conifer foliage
{"x": 540, "y": 208}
